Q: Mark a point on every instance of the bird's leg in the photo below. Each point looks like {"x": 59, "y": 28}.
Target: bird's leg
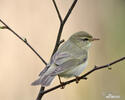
{"x": 62, "y": 86}
{"x": 77, "y": 79}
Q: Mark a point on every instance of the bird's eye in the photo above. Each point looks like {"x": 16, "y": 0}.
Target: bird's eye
{"x": 85, "y": 39}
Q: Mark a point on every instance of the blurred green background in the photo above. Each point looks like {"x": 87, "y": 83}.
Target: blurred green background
{"x": 38, "y": 22}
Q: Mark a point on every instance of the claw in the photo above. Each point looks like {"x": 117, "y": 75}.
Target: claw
{"x": 77, "y": 79}
{"x": 62, "y": 85}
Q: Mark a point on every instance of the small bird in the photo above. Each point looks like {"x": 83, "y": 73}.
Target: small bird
{"x": 69, "y": 60}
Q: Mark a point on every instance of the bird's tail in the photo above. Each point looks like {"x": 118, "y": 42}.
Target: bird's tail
{"x": 44, "y": 80}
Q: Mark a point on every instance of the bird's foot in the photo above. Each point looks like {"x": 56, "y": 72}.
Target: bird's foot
{"x": 77, "y": 79}
{"x": 62, "y": 85}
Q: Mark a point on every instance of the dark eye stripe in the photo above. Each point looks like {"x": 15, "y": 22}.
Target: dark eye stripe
{"x": 85, "y": 39}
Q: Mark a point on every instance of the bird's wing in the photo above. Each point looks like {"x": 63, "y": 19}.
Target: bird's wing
{"x": 66, "y": 66}
{"x": 60, "y": 58}
{"x": 43, "y": 71}
{"x": 57, "y": 58}
{"x": 64, "y": 62}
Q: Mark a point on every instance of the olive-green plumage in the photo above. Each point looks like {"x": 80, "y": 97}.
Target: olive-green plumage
{"x": 69, "y": 60}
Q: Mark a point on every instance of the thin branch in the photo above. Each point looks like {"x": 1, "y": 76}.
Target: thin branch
{"x": 69, "y": 12}
{"x": 61, "y": 42}
{"x": 24, "y": 40}
{"x": 57, "y": 10}
{"x": 62, "y": 25}
{"x": 40, "y": 95}
{"x": 83, "y": 76}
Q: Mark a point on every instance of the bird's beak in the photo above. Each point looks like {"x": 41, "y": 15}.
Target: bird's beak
{"x": 93, "y": 39}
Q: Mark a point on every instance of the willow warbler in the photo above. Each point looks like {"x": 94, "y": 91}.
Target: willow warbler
{"x": 70, "y": 59}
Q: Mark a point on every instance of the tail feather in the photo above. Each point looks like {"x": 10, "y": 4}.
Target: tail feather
{"x": 44, "y": 81}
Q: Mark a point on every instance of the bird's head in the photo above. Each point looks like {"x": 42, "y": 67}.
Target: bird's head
{"x": 82, "y": 39}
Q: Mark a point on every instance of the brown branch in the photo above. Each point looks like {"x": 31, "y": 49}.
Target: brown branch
{"x": 57, "y": 10}
{"x": 83, "y": 76}
{"x": 61, "y": 41}
{"x": 24, "y": 40}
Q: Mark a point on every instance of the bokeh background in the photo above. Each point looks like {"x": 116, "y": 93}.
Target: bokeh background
{"x": 37, "y": 21}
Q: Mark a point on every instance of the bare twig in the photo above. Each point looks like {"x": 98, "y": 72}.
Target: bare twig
{"x": 83, "y": 76}
{"x": 24, "y": 40}
{"x": 62, "y": 23}
{"x": 61, "y": 42}
{"x": 57, "y": 10}
{"x": 3, "y": 27}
